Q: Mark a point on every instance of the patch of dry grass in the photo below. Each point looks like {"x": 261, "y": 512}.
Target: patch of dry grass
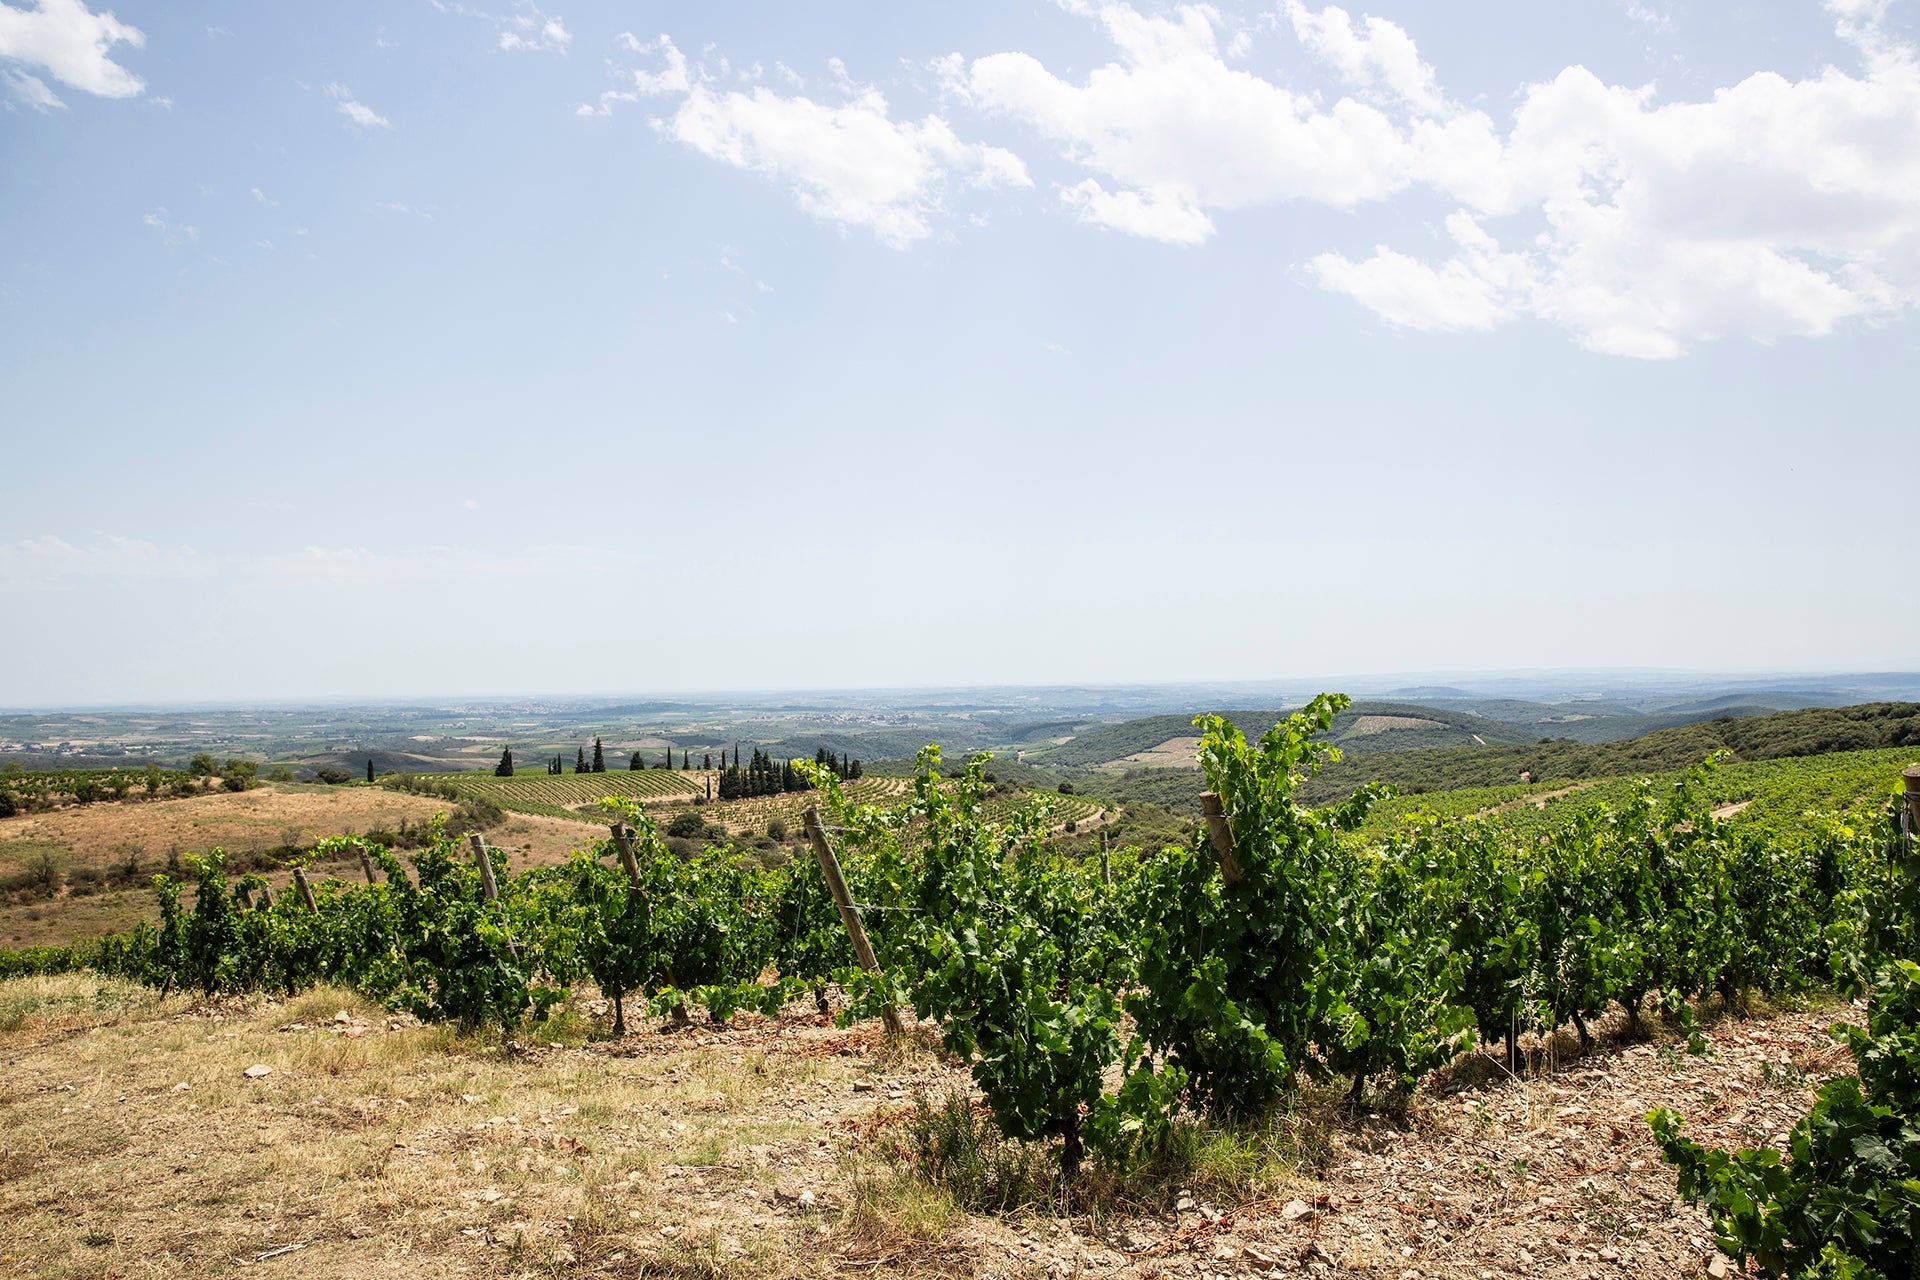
{"x": 136, "y": 1145}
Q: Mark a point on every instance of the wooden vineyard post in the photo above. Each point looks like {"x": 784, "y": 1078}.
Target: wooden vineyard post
{"x": 246, "y": 898}
{"x": 366, "y": 866}
{"x": 623, "y": 841}
{"x": 266, "y": 898}
{"x": 1910, "y": 818}
{"x": 1106, "y": 866}
{"x": 1221, "y": 834}
{"x": 480, "y": 858}
{"x": 849, "y": 914}
{"x": 306, "y": 890}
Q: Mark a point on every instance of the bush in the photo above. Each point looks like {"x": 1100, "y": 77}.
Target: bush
{"x": 333, "y": 777}
{"x": 203, "y": 765}
{"x": 776, "y": 830}
{"x": 1065, "y": 788}
{"x": 1846, "y": 1200}
{"x": 239, "y": 775}
{"x": 687, "y": 825}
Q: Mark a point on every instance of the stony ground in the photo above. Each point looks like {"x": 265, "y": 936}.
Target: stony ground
{"x": 324, "y": 1138}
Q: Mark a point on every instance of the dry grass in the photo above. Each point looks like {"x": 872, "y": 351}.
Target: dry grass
{"x": 136, "y": 1146}
{"x": 133, "y": 1145}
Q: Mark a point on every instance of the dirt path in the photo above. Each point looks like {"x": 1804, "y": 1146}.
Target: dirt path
{"x": 1539, "y": 800}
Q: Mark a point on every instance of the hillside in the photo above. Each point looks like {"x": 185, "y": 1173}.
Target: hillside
{"x": 1807, "y": 732}
{"x": 1363, "y": 727}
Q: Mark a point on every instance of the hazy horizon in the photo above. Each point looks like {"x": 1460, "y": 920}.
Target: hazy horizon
{"x": 1576, "y": 684}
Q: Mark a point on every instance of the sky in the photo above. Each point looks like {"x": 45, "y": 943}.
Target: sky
{"x": 416, "y": 348}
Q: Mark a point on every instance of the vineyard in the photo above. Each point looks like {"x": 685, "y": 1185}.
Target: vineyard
{"x": 1761, "y": 793}
{"x": 1110, "y": 1010}
{"x": 41, "y": 789}
{"x": 564, "y": 795}
{"x": 577, "y": 796}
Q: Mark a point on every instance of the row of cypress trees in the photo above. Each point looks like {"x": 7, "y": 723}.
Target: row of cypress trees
{"x": 761, "y": 776}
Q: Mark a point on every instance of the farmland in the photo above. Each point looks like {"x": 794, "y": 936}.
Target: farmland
{"x": 577, "y": 796}
{"x": 1564, "y": 948}
{"x": 567, "y": 795}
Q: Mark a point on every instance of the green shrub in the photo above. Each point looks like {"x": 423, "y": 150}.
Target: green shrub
{"x": 1845, "y": 1201}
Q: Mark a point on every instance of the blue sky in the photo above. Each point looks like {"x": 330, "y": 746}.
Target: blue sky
{"x": 416, "y": 348}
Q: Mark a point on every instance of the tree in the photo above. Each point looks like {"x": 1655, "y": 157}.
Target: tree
{"x": 706, "y": 761}
{"x": 370, "y": 769}
{"x": 239, "y": 775}
{"x": 580, "y": 760}
{"x": 203, "y": 765}
{"x": 635, "y": 762}
{"x": 153, "y": 779}
{"x": 599, "y": 758}
{"x": 333, "y": 777}
{"x": 502, "y": 770}
{"x": 686, "y": 761}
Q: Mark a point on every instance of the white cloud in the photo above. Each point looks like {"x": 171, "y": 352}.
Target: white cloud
{"x": 172, "y": 234}
{"x": 534, "y": 30}
{"x": 1383, "y": 60}
{"x": 33, "y": 91}
{"x": 1180, "y": 133}
{"x": 1649, "y": 16}
{"x": 1157, "y": 213}
{"x": 1774, "y": 208}
{"x": 395, "y": 206}
{"x": 848, "y": 162}
{"x": 70, "y": 43}
{"x": 1465, "y": 293}
{"x": 50, "y": 562}
{"x": 261, "y": 197}
{"x": 350, "y": 107}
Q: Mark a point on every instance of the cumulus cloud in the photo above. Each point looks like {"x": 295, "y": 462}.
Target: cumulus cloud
{"x": 1775, "y": 207}
{"x": 847, "y": 162}
{"x": 353, "y": 109}
{"x": 70, "y": 43}
{"x": 1182, "y": 134}
{"x": 1375, "y": 56}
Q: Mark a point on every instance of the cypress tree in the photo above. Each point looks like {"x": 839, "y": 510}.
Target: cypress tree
{"x": 369, "y": 768}
{"x": 634, "y": 762}
{"x": 505, "y": 768}
{"x": 599, "y": 760}
{"x": 580, "y": 760}
{"x": 686, "y": 761}
{"x": 706, "y": 761}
